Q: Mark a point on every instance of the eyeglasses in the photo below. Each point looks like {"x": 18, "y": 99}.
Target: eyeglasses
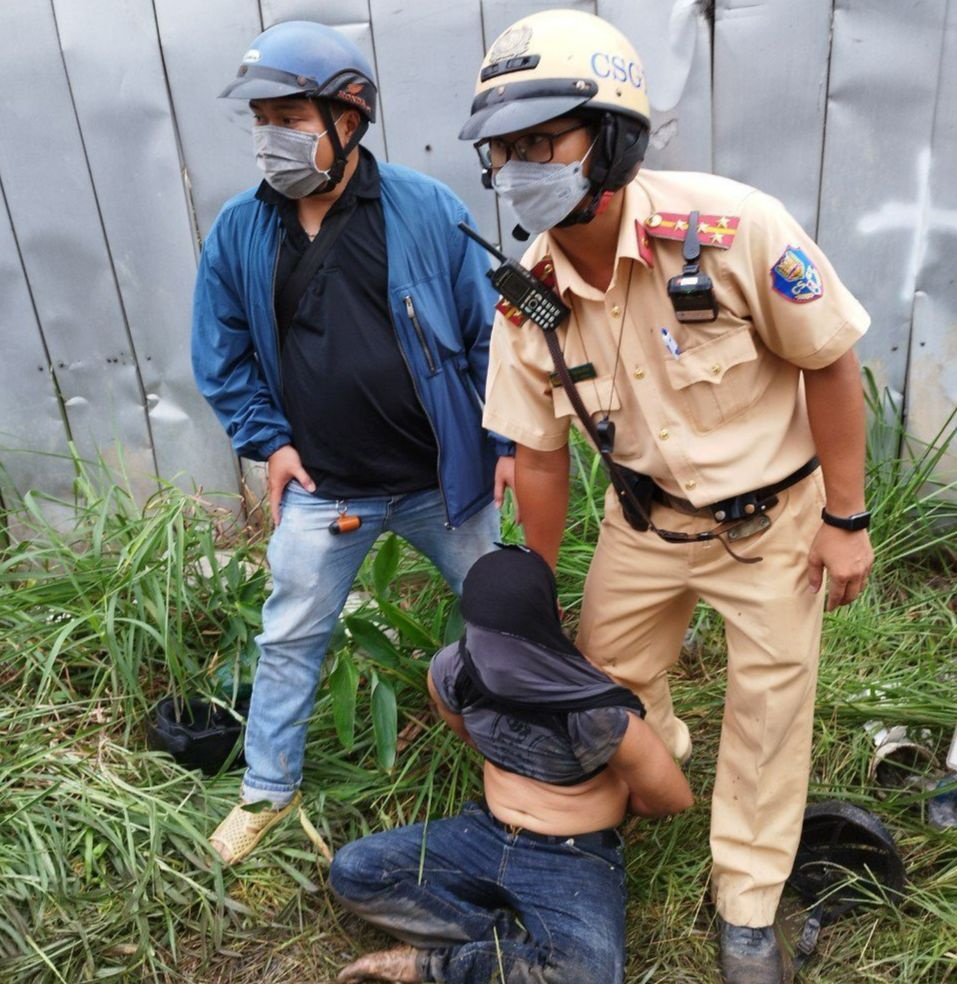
{"x": 539, "y": 148}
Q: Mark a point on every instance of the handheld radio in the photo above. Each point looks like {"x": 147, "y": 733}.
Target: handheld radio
{"x": 520, "y": 287}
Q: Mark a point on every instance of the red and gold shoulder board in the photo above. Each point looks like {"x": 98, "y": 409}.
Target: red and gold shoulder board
{"x": 545, "y": 271}
{"x": 713, "y": 230}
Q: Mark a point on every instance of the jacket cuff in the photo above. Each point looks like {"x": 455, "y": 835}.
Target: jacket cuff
{"x": 270, "y": 447}
{"x": 504, "y": 448}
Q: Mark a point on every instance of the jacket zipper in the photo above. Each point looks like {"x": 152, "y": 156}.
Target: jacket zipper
{"x": 413, "y": 317}
{"x": 275, "y": 323}
{"x": 410, "y": 311}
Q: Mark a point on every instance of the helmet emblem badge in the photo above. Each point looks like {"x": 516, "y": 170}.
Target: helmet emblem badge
{"x": 513, "y": 42}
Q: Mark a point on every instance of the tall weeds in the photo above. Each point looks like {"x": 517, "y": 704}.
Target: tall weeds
{"x": 104, "y": 868}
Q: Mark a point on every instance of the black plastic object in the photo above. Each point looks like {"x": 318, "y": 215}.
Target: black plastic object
{"x": 201, "y": 736}
{"x": 846, "y": 857}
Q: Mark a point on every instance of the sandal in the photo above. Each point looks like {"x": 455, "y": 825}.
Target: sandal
{"x": 236, "y": 837}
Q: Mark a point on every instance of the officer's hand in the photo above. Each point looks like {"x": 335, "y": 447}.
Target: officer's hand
{"x": 846, "y": 556}
{"x": 505, "y": 478}
{"x": 283, "y": 466}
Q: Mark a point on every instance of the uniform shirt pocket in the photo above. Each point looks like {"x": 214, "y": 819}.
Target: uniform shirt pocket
{"x": 720, "y": 378}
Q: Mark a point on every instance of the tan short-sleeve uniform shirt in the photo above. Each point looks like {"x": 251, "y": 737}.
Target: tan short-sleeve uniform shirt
{"x": 708, "y": 409}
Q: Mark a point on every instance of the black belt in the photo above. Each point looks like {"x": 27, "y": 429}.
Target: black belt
{"x": 608, "y": 837}
{"x": 738, "y": 506}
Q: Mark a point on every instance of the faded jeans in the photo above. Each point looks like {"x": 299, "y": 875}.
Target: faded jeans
{"x": 550, "y": 909}
{"x": 313, "y": 571}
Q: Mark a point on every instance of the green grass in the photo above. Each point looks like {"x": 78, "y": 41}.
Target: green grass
{"x": 104, "y": 870}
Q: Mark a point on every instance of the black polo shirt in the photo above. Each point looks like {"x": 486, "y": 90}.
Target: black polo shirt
{"x": 356, "y": 420}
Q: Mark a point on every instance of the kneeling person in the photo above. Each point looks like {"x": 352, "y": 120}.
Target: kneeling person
{"x": 532, "y": 879}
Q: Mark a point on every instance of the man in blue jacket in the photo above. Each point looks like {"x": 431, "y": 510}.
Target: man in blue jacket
{"x": 340, "y": 332}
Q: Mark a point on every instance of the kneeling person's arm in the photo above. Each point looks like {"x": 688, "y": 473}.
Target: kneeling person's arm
{"x": 656, "y": 784}
{"x": 454, "y": 721}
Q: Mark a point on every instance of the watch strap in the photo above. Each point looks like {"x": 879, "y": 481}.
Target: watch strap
{"x": 852, "y": 523}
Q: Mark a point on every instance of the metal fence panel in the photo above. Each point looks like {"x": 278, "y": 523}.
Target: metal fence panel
{"x": 885, "y": 63}
{"x": 203, "y": 45}
{"x": 332, "y": 12}
{"x": 932, "y": 371}
{"x": 770, "y": 77}
{"x": 430, "y": 103}
{"x": 106, "y": 203}
{"x": 673, "y": 40}
{"x": 45, "y": 175}
{"x": 33, "y": 440}
{"x": 136, "y": 171}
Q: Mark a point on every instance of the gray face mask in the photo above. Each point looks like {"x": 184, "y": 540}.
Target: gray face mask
{"x": 287, "y": 158}
{"x": 541, "y": 194}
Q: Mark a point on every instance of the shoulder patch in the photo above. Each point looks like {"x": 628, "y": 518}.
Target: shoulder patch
{"x": 510, "y": 312}
{"x": 544, "y": 269}
{"x": 713, "y": 230}
{"x": 795, "y": 277}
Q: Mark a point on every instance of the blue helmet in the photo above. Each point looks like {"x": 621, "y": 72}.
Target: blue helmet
{"x": 303, "y": 58}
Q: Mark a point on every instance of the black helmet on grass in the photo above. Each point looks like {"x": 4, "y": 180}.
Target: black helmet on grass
{"x": 846, "y": 857}
{"x": 197, "y": 733}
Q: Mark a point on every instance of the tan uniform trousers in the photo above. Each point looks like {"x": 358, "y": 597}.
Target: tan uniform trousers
{"x": 639, "y": 597}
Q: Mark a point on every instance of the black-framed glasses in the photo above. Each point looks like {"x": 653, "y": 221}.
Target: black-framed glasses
{"x": 538, "y": 148}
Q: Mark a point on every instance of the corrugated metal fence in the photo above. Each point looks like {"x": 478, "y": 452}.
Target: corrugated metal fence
{"x": 115, "y": 156}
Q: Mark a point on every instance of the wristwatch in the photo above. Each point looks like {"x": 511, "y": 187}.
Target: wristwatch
{"x": 854, "y": 522}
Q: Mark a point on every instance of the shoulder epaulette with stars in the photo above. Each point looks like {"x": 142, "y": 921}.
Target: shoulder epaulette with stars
{"x": 545, "y": 271}
{"x": 713, "y": 230}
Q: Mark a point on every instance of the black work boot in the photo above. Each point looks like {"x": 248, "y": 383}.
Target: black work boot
{"x": 750, "y": 956}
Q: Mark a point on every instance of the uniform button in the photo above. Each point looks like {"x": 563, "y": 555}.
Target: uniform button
{"x": 615, "y": 311}
{"x": 716, "y": 369}
{"x": 639, "y": 373}
{"x": 663, "y": 434}
{"x": 691, "y": 485}
{"x": 720, "y": 515}
{"x": 654, "y": 221}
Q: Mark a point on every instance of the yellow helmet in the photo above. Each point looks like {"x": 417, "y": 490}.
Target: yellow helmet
{"x": 567, "y": 63}
{"x": 549, "y": 65}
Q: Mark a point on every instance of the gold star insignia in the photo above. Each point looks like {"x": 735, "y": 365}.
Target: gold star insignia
{"x": 723, "y": 222}
{"x": 717, "y": 239}
{"x": 681, "y": 224}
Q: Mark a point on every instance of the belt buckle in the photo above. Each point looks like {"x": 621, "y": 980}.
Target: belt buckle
{"x": 748, "y": 527}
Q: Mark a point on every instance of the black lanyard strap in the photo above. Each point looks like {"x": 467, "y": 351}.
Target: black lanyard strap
{"x": 309, "y": 264}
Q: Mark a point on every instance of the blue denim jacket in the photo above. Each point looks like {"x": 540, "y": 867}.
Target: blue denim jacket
{"x": 442, "y": 306}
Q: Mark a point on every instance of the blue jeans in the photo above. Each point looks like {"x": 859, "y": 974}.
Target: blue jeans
{"x": 550, "y": 909}
{"x": 312, "y": 572}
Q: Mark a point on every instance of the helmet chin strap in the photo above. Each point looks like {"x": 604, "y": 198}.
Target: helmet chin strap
{"x": 596, "y": 205}
{"x": 340, "y": 152}
{"x": 601, "y": 194}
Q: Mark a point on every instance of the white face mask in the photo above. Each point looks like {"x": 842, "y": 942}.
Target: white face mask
{"x": 541, "y": 194}
{"x": 287, "y": 159}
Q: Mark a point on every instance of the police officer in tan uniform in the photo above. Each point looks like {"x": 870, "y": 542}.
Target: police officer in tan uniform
{"x": 716, "y": 365}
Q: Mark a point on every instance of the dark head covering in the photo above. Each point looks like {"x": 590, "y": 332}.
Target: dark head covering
{"x": 514, "y": 651}
{"x": 513, "y": 590}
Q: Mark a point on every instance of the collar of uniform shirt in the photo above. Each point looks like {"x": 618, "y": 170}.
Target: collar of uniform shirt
{"x": 636, "y": 208}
